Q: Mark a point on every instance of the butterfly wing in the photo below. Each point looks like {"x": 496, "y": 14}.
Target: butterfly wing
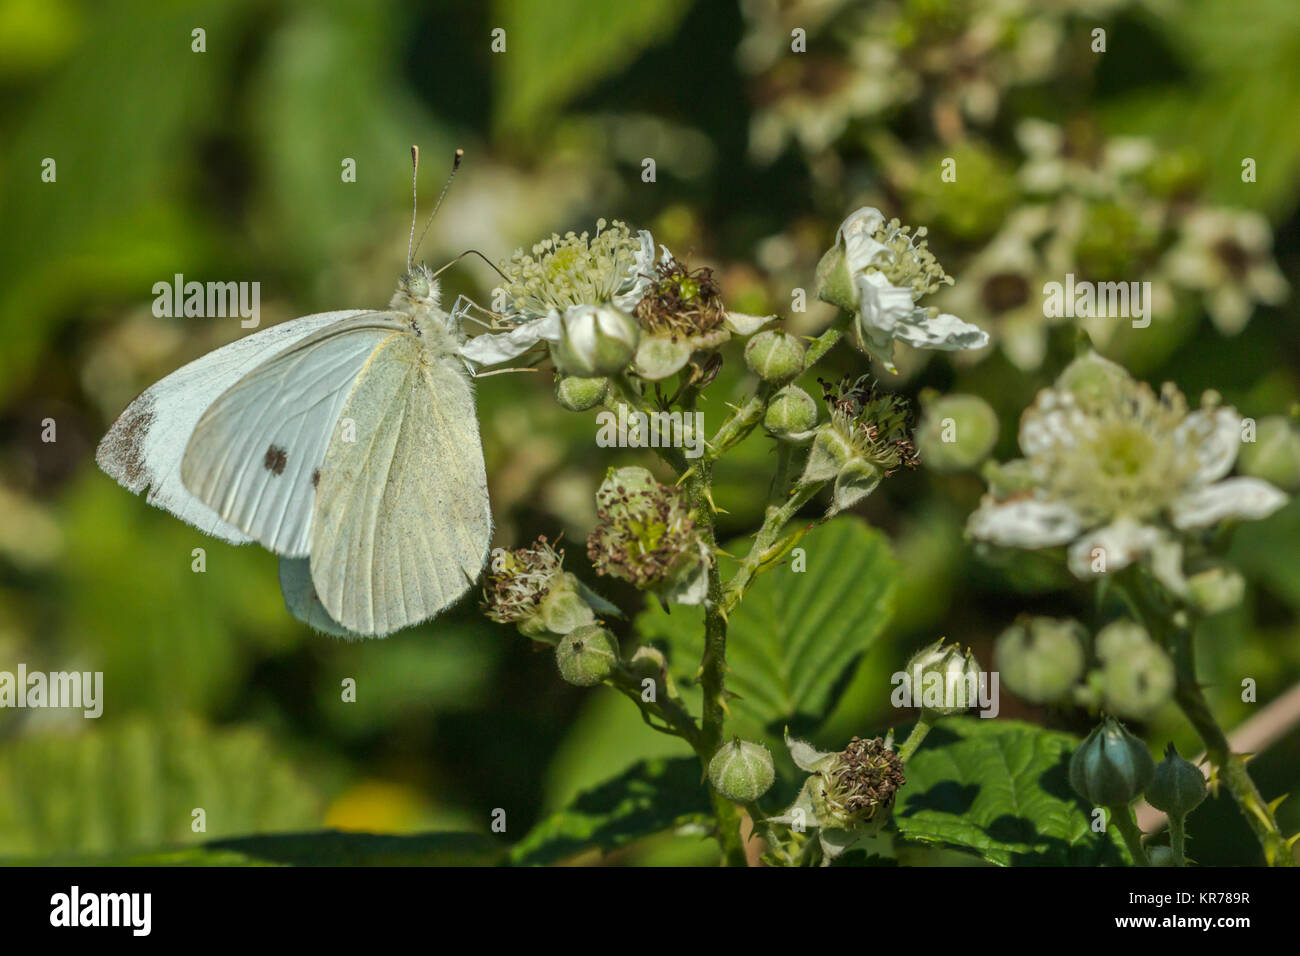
{"x": 143, "y": 449}
{"x": 302, "y": 601}
{"x": 256, "y": 453}
{"x": 401, "y": 524}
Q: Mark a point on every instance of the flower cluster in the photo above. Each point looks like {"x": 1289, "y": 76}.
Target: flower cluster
{"x": 1117, "y": 472}
{"x": 1111, "y": 210}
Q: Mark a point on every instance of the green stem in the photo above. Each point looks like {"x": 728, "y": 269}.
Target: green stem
{"x": 913, "y": 741}
{"x": 765, "y": 541}
{"x": 1177, "y": 838}
{"x": 1231, "y": 767}
{"x": 1122, "y": 817}
{"x": 750, "y": 413}
{"x": 667, "y": 706}
{"x": 1173, "y": 626}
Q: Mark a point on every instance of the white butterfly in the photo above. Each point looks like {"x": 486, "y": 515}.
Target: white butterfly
{"x": 345, "y": 442}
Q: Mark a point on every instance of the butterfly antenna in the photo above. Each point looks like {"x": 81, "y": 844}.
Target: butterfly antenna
{"x": 415, "y": 202}
{"x": 472, "y": 252}
{"x": 455, "y": 165}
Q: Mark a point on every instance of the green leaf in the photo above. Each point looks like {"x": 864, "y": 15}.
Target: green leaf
{"x": 136, "y": 785}
{"x": 999, "y": 788}
{"x": 557, "y": 49}
{"x": 793, "y": 639}
{"x": 649, "y": 798}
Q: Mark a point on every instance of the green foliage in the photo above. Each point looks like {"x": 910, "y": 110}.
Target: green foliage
{"x": 647, "y": 799}
{"x": 134, "y": 786}
{"x": 796, "y": 635}
{"x": 598, "y": 38}
{"x": 999, "y": 788}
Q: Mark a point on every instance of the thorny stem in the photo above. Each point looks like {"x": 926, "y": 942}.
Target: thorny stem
{"x": 1174, "y": 627}
{"x": 697, "y": 480}
{"x": 1128, "y": 829}
{"x": 676, "y": 719}
{"x": 766, "y": 546}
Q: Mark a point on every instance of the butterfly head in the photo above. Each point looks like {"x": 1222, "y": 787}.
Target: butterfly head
{"x": 417, "y": 291}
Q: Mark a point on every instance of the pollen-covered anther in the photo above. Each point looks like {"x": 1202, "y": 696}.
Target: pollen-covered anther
{"x": 682, "y": 303}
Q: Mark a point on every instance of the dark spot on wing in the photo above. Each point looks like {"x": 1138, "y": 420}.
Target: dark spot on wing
{"x": 122, "y": 452}
{"x": 275, "y": 460}
{"x": 315, "y": 477}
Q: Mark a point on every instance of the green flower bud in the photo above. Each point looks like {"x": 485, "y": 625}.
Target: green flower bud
{"x": 1274, "y": 455}
{"x": 1094, "y": 380}
{"x": 741, "y": 771}
{"x": 595, "y": 341}
{"x": 580, "y": 394}
{"x": 1137, "y": 676}
{"x": 956, "y": 432}
{"x": 1176, "y": 787}
{"x": 1111, "y": 766}
{"x": 834, "y": 282}
{"x": 791, "y": 415}
{"x": 1041, "y": 658}
{"x": 1216, "y": 589}
{"x": 942, "y": 679}
{"x": 587, "y": 655}
{"x": 774, "y": 356}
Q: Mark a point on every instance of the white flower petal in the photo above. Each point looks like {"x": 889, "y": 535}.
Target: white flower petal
{"x": 1112, "y": 547}
{"x": 1024, "y": 523}
{"x": 1239, "y": 498}
{"x": 881, "y": 304}
{"x": 944, "y": 332}
{"x": 856, "y": 231}
{"x": 1052, "y": 421}
{"x": 1215, "y": 434}
{"x": 491, "y": 348}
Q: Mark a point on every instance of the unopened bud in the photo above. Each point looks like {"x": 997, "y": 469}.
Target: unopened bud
{"x": 774, "y": 356}
{"x": 791, "y": 415}
{"x": 587, "y": 655}
{"x": 741, "y": 771}
{"x": 1111, "y": 766}
{"x": 580, "y": 394}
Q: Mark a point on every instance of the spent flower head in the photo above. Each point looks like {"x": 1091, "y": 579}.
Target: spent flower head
{"x": 1117, "y": 472}
{"x": 848, "y": 795}
{"x": 645, "y": 535}
{"x": 529, "y": 587}
{"x": 681, "y": 312}
{"x": 868, "y": 438}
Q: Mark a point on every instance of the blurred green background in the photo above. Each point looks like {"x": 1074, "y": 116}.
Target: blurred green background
{"x": 225, "y": 165}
